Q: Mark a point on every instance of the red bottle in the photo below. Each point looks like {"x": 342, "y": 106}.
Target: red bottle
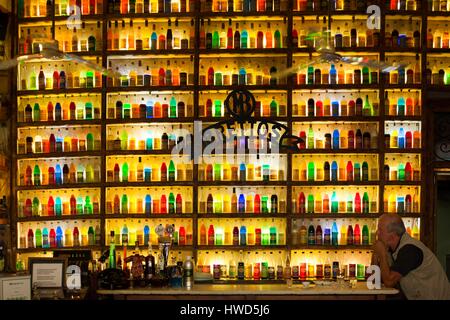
{"x": 52, "y": 238}
{"x": 319, "y": 108}
{"x": 302, "y": 144}
{"x": 72, "y": 111}
{"x": 256, "y": 271}
{"x": 116, "y": 173}
{"x": 163, "y": 172}
{"x": 51, "y": 175}
{"x": 236, "y": 237}
{"x": 182, "y": 236}
{"x": 211, "y": 235}
{"x": 357, "y": 203}
{"x": 208, "y": 111}
{"x": 350, "y": 235}
{"x": 50, "y": 111}
{"x": 351, "y": 139}
{"x": 301, "y": 203}
{"x": 326, "y": 204}
{"x": 319, "y": 239}
{"x": 28, "y": 174}
{"x": 260, "y": 40}
{"x": 349, "y": 171}
{"x": 295, "y": 38}
{"x": 351, "y": 108}
{"x": 209, "y": 172}
{"x": 357, "y": 235}
{"x": 210, "y": 76}
{"x": 28, "y": 208}
{"x": 73, "y": 205}
{"x": 179, "y": 204}
{"x": 408, "y": 203}
{"x": 257, "y": 237}
{"x": 162, "y": 77}
{"x": 30, "y": 238}
{"x": 257, "y": 204}
{"x": 163, "y": 204}
{"x": 55, "y": 80}
{"x": 408, "y": 172}
{"x": 52, "y": 143}
{"x": 51, "y": 206}
{"x": 76, "y": 237}
{"x": 230, "y": 38}
{"x": 408, "y": 140}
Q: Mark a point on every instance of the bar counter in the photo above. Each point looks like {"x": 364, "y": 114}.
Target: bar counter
{"x": 253, "y": 292}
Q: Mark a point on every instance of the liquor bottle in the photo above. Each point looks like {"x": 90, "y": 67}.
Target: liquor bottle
{"x": 112, "y": 251}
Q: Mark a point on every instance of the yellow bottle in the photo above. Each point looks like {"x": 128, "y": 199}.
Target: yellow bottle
{"x": 342, "y": 170}
{"x": 392, "y": 203}
{"x": 226, "y": 203}
{"x": 318, "y": 203}
{"x": 394, "y": 139}
{"x": 249, "y": 204}
{"x": 343, "y": 235}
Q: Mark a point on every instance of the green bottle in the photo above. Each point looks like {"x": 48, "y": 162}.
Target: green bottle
{"x": 273, "y": 236}
{"x": 365, "y": 203}
{"x": 90, "y": 141}
{"x": 112, "y": 251}
{"x": 310, "y": 137}
{"x": 125, "y": 172}
{"x": 310, "y": 203}
{"x": 277, "y": 37}
{"x": 35, "y": 207}
{"x": 38, "y": 237}
{"x": 365, "y": 171}
{"x": 366, "y": 75}
{"x": 310, "y": 75}
{"x": 401, "y": 172}
{"x": 264, "y": 206}
{"x": 80, "y": 205}
{"x": 334, "y": 203}
{"x": 217, "y": 171}
{"x": 273, "y": 108}
{"x": 311, "y": 171}
{"x": 217, "y": 108}
{"x": 367, "y": 107}
{"x": 36, "y": 112}
{"x": 171, "y": 171}
{"x": 37, "y": 175}
{"x": 90, "y": 79}
{"x": 126, "y": 111}
{"x": 88, "y": 111}
{"x": 91, "y": 236}
{"x": 215, "y": 40}
{"x": 350, "y": 204}
{"x": 173, "y": 108}
{"x": 124, "y": 203}
{"x": 89, "y": 173}
{"x": 365, "y": 235}
{"x": 124, "y": 140}
{"x": 171, "y": 203}
{"x": 88, "y": 206}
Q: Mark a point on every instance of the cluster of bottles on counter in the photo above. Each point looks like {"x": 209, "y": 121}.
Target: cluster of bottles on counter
{"x": 242, "y": 172}
{"x": 150, "y": 6}
{"x": 150, "y": 109}
{"x": 320, "y": 5}
{"x": 439, "y": 38}
{"x": 60, "y": 238}
{"x": 327, "y": 267}
{"x": 401, "y": 203}
{"x": 314, "y": 76}
{"x": 240, "y": 38}
{"x": 146, "y": 38}
{"x": 182, "y": 235}
{"x": 331, "y": 236}
{"x": 148, "y": 142}
{"x": 60, "y": 174}
{"x": 402, "y": 172}
{"x": 320, "y": 203}
{"x": 312, "y": 171}
{"x": 335, "y": 108}
{"x": 351, "y": 140}
{"x": 403, "y": 76}
{"x": 58, "y": 112}
{"x": 409, "y": 5}
{"x": 78, "y": 40}
{"x": 265, "y": 235}
{"x": 157, "y": 76}
{"x": 438, "y": 5}
{"x": 397, "y": 40}
{"x": 136, "y": 172}
{"x": 270, "y": 108}
{"x": 62, "y": 80}
{"x": 242, "y": 203}
{"x": 243, "y": 5}
{"x": 52, "y": 144}
{"x": 171, "y": 204}
{"x": 241, "y": 76}
{"x": 403, "y": 107}
{"x": 75, "y": 205}
{"x": 402, "y": 140}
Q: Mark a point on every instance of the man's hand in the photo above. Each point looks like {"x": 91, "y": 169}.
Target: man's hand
{"x": 379, "y": 248}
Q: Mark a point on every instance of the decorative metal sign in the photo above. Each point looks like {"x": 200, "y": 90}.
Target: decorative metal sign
{"x": 442, "y": 137}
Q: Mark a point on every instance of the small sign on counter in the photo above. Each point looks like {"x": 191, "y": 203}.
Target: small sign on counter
{"x": 15, "y": 287}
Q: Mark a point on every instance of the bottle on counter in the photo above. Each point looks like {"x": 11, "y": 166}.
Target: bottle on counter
{"x": 188, "y": 273}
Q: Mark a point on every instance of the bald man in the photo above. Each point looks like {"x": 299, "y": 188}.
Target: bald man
{"x": 408, "y": 261}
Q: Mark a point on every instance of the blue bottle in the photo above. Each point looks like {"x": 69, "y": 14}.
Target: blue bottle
{"x": 336, "y": 139}
{"x": 334, "y": 235}
{"x": 335, "y": 108}
{"x": 58, "y": 206}
{"x": 149, "y": 109}
{"x": 58, "y": 174}
{"x": 246, "y": 6}
{"x": 148, "y": 204}
{"x": 327, "y": 236}
{"x": 333, "y": 75}
{"x": 58, "y": 112}
{"x": 242, "y": 172}
{"x": 401, "y": 106}
{"x": 154, "y": 41}
{"x": 45, "y": 242}
{"x": 62, "y": 80}
{"x": 243, "y": 236}
{"x": 242, "y": 77}
{"x": 244, "y": 39}
{"x": 147, "y": 174}
{"x": 401, "y": 138}
{"x": 149, "y": 144}
{"x": 334, "y": 171}
{"x": 401, "y": 76}
{"x": 241, "y": 204}
{"x": 59, "y": 237}
{"x": 146, "y": 235}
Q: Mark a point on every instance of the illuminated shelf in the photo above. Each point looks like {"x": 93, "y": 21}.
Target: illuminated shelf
{"x": 148, "y": 216}
{"x": 86, "y": 17}
{"x": 143, "y": 53}
{"x": 336, "y": 119}
{"x": 36, "y": 250}
{"x": 243, "y": 248}
{"x": 342, "y": 215}
{"x": 33, "y": 20}
{"x": 393, "y": 13}
{"x": 59, "y": 218}
{"x": 110, "y": 153}
{"x": 245, "y": 87}
{"x": 216, "y": 119}
{"x": 241, "y": 183}
{"x": 335, "y": 183}
{"x": 256, "y": 14}
{"x": 131, "y": 246}
{"x": 150, "y": 16}
{"x": 433, "y": 50}
{"x": 402, "y": 86}
{"x": 408, "y": 214}
{"x": 60, "y": 186}
{"x": 59, "y": 155}
{"x": 330, "y": 247}
{"x": 358, "y": 49}
{"x": 311, "y": 13}
{"x": 236, "y": 52}
{"x": 333, "y": 151}
{"x": 59, "y": 123}
{"x": 149, "y": 184}
{"x": 151, "y": 88}
{"x": 329, "y": 87}
{"x": 398, "y": 49}
{"x": 34, "y": 93}
{"x": 86, "y": 53}
{"x": 438, "y": 14}
{"x": 139, "y": 121}
{"x": 394, "y": 150}
{"x": 403, "y": 118}
{"x": 240, "y": 215}
{"x": 403, "y": 183}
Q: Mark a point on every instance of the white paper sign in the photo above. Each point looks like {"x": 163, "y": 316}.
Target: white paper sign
{"x": 47, "y": 275}
{"x": 15, "y": 288}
